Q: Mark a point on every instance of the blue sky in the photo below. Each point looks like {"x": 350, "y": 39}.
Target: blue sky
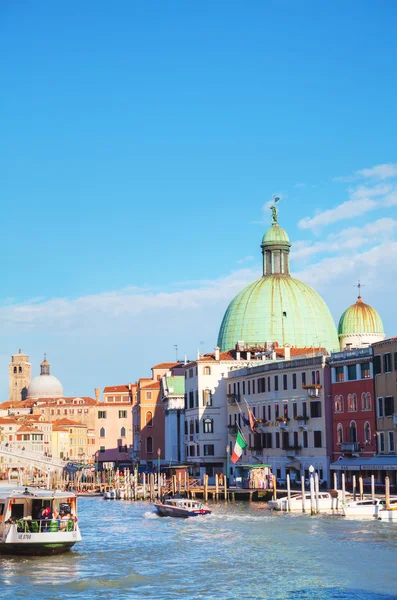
{"x": 140, "y": 146}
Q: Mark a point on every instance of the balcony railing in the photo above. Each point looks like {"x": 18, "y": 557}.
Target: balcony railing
{"x": 350, "y": 447}
{"x": 293, "y": 451}
{"x": 232, "y": 398}
{"x": 232, "y": 429}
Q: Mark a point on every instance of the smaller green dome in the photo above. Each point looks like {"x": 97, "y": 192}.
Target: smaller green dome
{"x": 275, "y": 235}
{"x": 360, "y": 318}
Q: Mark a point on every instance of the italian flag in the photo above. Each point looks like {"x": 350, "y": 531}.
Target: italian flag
{"x": 240, "y": 445}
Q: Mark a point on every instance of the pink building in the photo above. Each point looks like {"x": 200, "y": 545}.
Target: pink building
{"x": 114, "y": 426}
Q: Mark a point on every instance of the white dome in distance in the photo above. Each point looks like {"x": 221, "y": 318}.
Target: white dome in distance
{"x": 45, "y": 386}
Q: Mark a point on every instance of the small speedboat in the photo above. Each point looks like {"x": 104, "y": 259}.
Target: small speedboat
{"x": 181, "y": 507}
{"x": 368, "y": 508}
{"x": 326, "y": 501}
{"x": 388, "y": 514}
{"x": 109, "y": 495}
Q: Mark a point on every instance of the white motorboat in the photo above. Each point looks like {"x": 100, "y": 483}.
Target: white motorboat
{"x": 326, "y": 501}
{"x": 37, "y": 521}
{"x": 181, "y": 507}
{"x": 390, "y": 513}
{"x": 110, "y": 494}
{"x": 367, "y": 508}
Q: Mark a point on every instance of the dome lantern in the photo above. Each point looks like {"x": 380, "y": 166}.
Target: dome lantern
{"x": 45, "y": 367}
{"x": 275, "y": 247}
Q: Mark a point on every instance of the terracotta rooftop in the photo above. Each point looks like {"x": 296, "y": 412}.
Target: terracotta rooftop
{"x": 155, "y": 385}
{"x": 8, "y": 421}
{"x": 17, "y": 403}
{"x": 65, "y": 400}
{"x": 117, "y": 388}
{"x": 60, "y": 422}
{"x": 166, "y": 365}
{"x": 28, "y": 429}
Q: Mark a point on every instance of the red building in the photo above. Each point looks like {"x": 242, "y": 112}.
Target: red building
{"x": 353, "y": 414}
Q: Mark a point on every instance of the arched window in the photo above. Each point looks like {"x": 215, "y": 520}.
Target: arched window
{"x": 207, "y": 370}
{"x": 339, "y": 434}
{"x": 15, "y": 369}
{"x": 367, "y": 433}
{"x": 338, "y": 400}
{"x": 353, "y": 431}
{"x": 208, "y": 426}
{"x": 366, "y": 401}
{"x": 352, "y": 403}
{"x": 122, "y": 432}
{"x": 20, "y": 369}
{"x": 149, "y": 445}
{"x": 191, "y": 427}
{"x": 149, "y": 419}
{"x": 102, "y": 432}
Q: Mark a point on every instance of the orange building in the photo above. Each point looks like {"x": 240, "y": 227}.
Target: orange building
{"x": 149, "y": 419}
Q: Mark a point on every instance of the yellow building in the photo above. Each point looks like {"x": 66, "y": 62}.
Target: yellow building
{"x": 77, "y": 448}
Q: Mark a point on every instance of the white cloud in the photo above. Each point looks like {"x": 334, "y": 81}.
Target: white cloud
{"x": 346, "y": 210}
{"x": 379, "y": 172}
{"x": 362, "y": 199}
{"x": 300, "y": 185}
{"x": 385, "y": 171}
{"x": 349, "y": 238}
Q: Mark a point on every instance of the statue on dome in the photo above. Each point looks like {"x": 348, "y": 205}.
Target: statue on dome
{"x": 274, "y": 211}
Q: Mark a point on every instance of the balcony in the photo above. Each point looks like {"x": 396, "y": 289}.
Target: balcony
{"x": 232, "y": 398}
{"x": 301, "y": 420}
{"x": 293, "y": 451}
{"x": 350, "y": 447}
{"x": 313, "y": 390}
{"x": 232, "y": 429}
{"x": 282, "y": 421}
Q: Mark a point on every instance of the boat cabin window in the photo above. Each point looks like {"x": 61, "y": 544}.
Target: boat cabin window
{"x": 37, "y": 505}
{"x": 64, "y": 508}
{"x": 1, "y": 510}
{"x": 17, "y": 511}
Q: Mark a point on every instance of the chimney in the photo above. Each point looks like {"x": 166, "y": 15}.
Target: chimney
{"x": 97, "y": 394}
{"x": 185, "y": 360}
{"x": 287, "y": 352}
{"x": 217, "y": 352}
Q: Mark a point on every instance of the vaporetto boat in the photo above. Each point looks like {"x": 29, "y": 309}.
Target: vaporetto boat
{"x": 37, "y": 521}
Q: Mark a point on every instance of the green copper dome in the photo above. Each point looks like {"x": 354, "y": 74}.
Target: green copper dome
{"x": 277, "y": 307}
{"x": 360, "y": 318}
{"x": 276, "y": 235}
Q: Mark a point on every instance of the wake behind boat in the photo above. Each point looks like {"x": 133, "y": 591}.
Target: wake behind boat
{"x": 37, "y": 522}
{"x": 181, "y": 507}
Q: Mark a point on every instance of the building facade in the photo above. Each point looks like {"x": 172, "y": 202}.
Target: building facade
{"x": 385, "y": 370}
{"x": 354, "y": 425}
{"x": 173, "y": 398}
{"x": 290, "y": 399}
{"x": 114, "y": 426}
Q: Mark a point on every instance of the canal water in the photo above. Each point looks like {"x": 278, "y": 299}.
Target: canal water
{"x": 241, "y": 551}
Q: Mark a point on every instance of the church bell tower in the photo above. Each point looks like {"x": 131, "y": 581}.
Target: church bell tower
{"x": 19, "y": 378}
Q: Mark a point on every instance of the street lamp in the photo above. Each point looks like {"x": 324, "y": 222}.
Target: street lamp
{"x": 227, "y": 464}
